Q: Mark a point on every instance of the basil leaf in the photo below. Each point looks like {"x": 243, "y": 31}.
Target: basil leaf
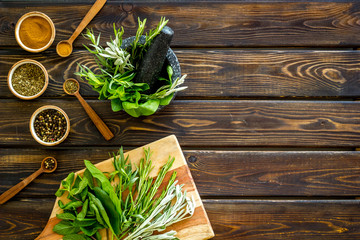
{"x": 105, "y": 184}
{"x": 94, "y": 208}
{"x": 70, "y": 179}
{"x": 75, "y": 237}
{"x": 166, "y": 100}
{"x": 82, "y": 185}
{"x": 65, "y": 228}
{"x": 116, "y": 105}
{"x": 73, "y": 205}
{"x": 149, "y": 107}
{"x": 66, "y": 216}
{"x": 84, "y": 222}
{"x": 60, "y": 192}
{"x": 91, "y": 230}
{"x": 83, "y": 212}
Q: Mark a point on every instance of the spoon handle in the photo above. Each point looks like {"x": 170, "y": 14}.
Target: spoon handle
{"x": 18, "y": 187}
{"x": 101, "y": 126}
{"x": 88, "y": 17}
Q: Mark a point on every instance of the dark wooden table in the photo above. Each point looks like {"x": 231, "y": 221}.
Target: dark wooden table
{"x": 269, "y": 124}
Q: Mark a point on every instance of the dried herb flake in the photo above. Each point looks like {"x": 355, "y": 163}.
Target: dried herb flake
{"x": 28, "y": 79}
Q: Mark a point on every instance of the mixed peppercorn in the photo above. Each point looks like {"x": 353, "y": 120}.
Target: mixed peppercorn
{"x": 50, "y": 125}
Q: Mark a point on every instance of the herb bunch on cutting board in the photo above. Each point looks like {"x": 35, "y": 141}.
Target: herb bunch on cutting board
{"x": 126, "y": 202}
{"x": 117, "y": 67}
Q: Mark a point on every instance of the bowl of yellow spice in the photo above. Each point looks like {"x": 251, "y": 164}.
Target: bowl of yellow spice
{"x": 35, "y": 32}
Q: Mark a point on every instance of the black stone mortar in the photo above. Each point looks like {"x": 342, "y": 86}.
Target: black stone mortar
{"x": 171, "y": 60}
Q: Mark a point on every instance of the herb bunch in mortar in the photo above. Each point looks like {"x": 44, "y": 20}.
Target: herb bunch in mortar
{"x": 117, "y": 68}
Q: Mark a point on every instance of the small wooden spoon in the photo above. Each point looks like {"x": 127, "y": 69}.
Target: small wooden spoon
{"x": 101, "y": 126}
{"x": 18, "y": 187}
{"x": 64, "y": 48}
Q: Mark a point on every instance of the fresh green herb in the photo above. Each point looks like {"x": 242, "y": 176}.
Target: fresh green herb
{"x": 117, "y": 67}
{"x": 125, "y": 201}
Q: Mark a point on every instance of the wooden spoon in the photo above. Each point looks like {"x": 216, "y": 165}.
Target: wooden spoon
{"x": 18, "y": 187}
{"x": 101, "y": 126}
{"x": 64, "y": 48}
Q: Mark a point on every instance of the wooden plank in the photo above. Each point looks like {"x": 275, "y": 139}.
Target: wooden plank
{"x": 230, "y": 24}
{"x": 225, "y": 73}
{"x": 284, "y": 219}
{"x": 242, "y": 173}
{"x": 199, "y": 123}
{"x": 231, "y": 219}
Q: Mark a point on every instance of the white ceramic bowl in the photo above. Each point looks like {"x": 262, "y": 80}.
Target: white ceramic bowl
{"x": 33, "y": 14}
{"x": 32, "y": 129}
{"x": 11, "y": 72}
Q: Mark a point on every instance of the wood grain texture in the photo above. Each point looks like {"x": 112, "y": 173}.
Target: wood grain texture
{"x": 231, "y": 219}
{"x": 229, "y": 24}
{"x": 241, "y": 173}
{"x": 224, "y": 73}
{"x": 284, "y": 219}
{"x": 199, "y": 123}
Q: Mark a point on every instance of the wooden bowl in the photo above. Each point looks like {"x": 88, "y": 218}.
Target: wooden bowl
{"x": 11, "y": 72}
{"x": 34, "y": 14}
{"x": 32, "y": 130}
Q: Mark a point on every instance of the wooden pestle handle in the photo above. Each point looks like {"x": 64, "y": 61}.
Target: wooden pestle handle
{"x": 86, "y": 20}
{"x": 101, "y": 126}
{"x": 18, "y": 187}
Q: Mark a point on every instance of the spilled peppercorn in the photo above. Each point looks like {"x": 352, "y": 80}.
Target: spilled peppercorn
{"x": 50, "y": 125}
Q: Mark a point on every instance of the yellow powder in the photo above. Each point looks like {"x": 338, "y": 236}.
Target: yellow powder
{"x": 64, "y": 49}
{"x": 35, "y": 32}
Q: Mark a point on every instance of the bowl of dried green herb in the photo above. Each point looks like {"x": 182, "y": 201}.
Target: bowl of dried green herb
{"x": 49, "y": 125}
{"x": 27, "y": 79}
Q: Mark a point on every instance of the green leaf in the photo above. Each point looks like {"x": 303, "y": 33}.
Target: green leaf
{"x": 166, "y": 100}
{"x": 116, "y": 105}
{"x": 65, "y": 228}
{"x": 94, "y": 208}
{"x": 91, "y": 230}
{"x": 89, "y": 177}
{"x": 73, "y": 205}
{"x": 66, "y": 216}
{"x": 105, "y": 184}
{"x": 84, "y": 222}
{"x": 82, "y": 185}
{"x": 74, "y": 237}
{"x": 77, "y": 182}
{"x": 149, "y": 107}
{"x": 102, "y": 211}
{"x": 83, "y": 212}
{"x": 60, "y": 192}
{"x": 70, "y": 179}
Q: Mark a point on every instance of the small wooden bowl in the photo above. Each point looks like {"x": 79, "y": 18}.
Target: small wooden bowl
{"x": 33, "y": 14}
{"x": 32, "y": 130}
{"x": 11, "y": 72}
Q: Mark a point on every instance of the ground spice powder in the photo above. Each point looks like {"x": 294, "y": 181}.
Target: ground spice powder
{"x": 35, "y": 32}
{"x": 64, "y": 49}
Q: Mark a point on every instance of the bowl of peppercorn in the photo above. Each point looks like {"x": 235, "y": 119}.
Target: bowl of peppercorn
{"x": 49, "y": 125}
{"x": 27, "y": 79}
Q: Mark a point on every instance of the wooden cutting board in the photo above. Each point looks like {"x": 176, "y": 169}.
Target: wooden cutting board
{"x": 195, "y": 228}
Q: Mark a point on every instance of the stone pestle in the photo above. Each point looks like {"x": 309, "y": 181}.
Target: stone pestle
{"x": 153, "y": 61}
